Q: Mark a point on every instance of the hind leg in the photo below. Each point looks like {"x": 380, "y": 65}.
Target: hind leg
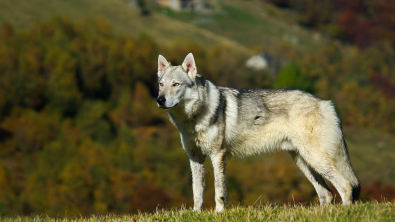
{"x": 323, "y": 191}
{"x": 326, "y": 168}
{"x": 342, "y": 186}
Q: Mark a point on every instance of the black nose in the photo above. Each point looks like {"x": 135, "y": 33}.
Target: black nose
{"x": 161, "y": 100}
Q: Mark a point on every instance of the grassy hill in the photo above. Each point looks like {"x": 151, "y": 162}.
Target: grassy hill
{"x": 254, "y": 24}
{"x": 247, "y": 27}
{"x": 122, "y": 17}
{"x": 359, "y": 212}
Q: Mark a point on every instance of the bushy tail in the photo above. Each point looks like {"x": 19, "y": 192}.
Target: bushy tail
{"x": 355, "y": 192}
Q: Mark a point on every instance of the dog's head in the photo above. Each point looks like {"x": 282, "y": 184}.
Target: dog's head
{"x": 175, "y": 82}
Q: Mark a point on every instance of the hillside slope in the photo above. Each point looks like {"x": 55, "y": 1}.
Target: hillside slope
{"x": 243, "y": 26}
{"x": 123, "y": 18}
{"x": 255, "y": 24}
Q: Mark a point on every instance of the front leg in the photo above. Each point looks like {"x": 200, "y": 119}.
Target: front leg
{"x": 196, "y": 160}
{"x": 218, "y": 160}
{"x": 198, "y": 181}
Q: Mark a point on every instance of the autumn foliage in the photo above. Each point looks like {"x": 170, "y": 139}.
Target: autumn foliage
{"x": 360, "y": 22}
{"x": 79, "y": 128}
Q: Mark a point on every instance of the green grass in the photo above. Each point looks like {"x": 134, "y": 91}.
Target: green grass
{"x": 122, "y": 18}
{"x": 245, "y": 26}
{"x": 254, "y": 24}
{"x": 370, "y": 211}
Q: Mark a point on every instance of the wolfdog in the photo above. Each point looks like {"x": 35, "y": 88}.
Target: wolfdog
{"x": 219, "y": 122}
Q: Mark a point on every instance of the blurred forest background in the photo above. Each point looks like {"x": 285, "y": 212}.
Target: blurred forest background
{"x": 80, "y": 132}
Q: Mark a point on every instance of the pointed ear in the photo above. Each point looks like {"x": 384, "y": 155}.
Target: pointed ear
{"x": 189, "y": 66}
{"x": 162, "y": 65}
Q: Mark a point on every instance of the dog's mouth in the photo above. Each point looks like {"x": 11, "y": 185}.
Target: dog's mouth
{"x": 168, "y": 107}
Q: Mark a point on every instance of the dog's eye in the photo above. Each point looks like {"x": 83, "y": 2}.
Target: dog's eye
{"x": 160, "y": 84}
{"x": 176, "y": 84}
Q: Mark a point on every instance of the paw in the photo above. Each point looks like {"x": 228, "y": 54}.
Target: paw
{"x": 219, "y": 209}
{"x": 197, "y": 209}
{"x": 326, "y": 198}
